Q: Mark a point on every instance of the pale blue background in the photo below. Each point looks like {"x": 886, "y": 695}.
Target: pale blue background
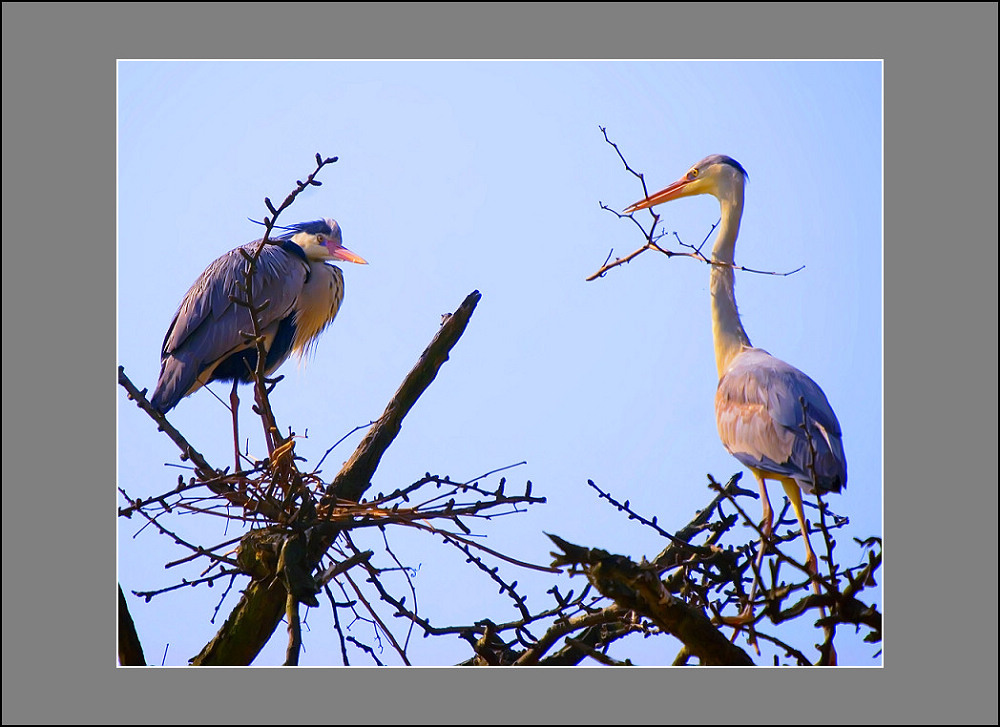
{"x": 460, "y": 176}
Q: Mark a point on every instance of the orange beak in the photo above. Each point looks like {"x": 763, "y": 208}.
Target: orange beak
{"x": 342, "y": 253}
{"x": 675, "y": 190}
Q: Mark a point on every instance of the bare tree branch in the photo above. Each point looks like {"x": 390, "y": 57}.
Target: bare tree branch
{"x": 638, "y": 588}
{"x": 129, "y": 646}
{"x": 263, "y": 606}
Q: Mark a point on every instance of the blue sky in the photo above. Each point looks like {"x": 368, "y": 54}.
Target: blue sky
{"x": 457, "y": 176}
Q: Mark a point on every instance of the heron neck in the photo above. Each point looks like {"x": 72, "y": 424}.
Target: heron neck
{"x": 727, "y": 331}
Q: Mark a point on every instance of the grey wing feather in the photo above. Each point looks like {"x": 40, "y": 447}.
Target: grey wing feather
{"x": 207, "y": 326}
{"x": 760, "y": 420}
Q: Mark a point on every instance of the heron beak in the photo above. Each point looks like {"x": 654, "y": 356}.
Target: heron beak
{"x": 675, "y": 190}
{"x": 342, "y": 253}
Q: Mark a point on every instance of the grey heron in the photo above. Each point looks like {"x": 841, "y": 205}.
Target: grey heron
{"x": 772, "y": 417}
{"x": 207, "y": 341}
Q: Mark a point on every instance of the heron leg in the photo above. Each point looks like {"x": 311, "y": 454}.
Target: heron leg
{"x": 234, "y": 405}
{"x": 767, "y": 529}
{"x": 767, "y": 524}
{"x": 746, "y": 616}
{"x": 795, "y": 496}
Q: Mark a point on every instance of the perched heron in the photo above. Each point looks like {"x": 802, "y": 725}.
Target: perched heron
{"x": 772, "y": 417}
{"x": 207, "y": 339}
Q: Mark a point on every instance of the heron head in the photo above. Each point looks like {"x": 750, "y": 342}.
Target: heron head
{"x": 322, "y": 240}
{"x": 718, "y": 175}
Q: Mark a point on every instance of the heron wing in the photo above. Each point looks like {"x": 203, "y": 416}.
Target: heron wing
{"x": 209, "y": 326}
{"x": 760, "y": 419}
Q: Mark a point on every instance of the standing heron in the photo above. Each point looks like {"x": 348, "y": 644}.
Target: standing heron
{"x": 207, "y": 340}
{"x": 772, "y": 417}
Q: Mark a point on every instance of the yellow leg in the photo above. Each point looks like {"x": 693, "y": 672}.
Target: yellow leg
{"x": 795, "y": 496}
{"x": 767, "y": 524}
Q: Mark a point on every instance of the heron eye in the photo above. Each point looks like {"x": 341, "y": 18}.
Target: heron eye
{"x": 693, "y": 173}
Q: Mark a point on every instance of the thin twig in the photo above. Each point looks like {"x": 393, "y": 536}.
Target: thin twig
{"x": 652, "y": 237}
